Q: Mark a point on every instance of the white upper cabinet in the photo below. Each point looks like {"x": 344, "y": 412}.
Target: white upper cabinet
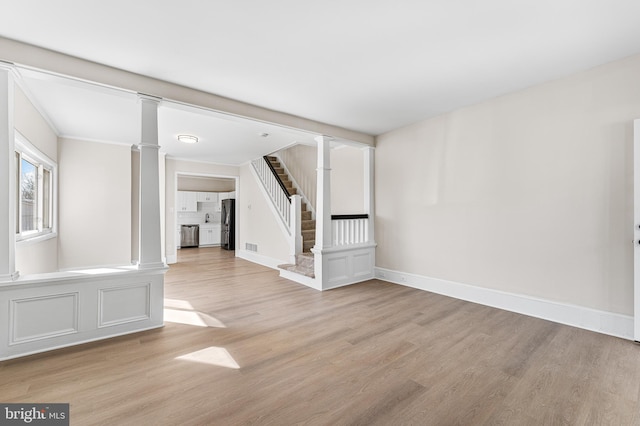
{"x": 207, "y": 197}
{"x": 187, "y": 201}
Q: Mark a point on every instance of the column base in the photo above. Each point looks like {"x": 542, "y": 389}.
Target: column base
{"x": 10, "y": 277}
{"x": 154, "y": 265}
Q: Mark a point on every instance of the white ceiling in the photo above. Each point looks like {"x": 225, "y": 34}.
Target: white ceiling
{"x": 80, "y": 110}
{"x": 366, "y": 65}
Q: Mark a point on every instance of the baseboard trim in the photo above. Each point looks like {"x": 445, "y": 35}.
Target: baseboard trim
{"x": 610, "y": 323}
{"x": 260, "y": 259}
{"x": 301, "y": 279}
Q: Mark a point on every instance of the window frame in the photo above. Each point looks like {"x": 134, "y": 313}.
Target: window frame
{"x": 27, "y": 151}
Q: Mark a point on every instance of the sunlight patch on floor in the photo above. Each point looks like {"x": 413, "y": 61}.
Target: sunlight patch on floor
{"x": 212, "y": 355}
{"x": 177, "y": 304}
{"x": 192, "y": 318}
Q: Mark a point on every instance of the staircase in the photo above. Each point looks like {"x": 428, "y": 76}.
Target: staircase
{"x": 308, "y": 224}
{"x": 304, "y": 262}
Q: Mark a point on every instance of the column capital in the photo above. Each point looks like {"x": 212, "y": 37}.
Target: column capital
{"x": 149, "y": 98}
{"x": 324, "y": 138}
{"x": 147, "y": 145}
{"x": 9, "y": 66}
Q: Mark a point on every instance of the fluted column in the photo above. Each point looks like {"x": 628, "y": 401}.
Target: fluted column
{"x": 150, "y": 233}
{"x": 7, "y": 177}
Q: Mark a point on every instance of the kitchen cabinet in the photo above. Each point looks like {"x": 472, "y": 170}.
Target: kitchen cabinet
{"x": 207, "y": 197}
{"x": 224, "y": 196}
{"x": 187, "y": 201}
{"x": 209, "y": 235}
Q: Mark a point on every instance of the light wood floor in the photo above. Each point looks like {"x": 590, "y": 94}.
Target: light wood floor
{"x": 373, "y": 353}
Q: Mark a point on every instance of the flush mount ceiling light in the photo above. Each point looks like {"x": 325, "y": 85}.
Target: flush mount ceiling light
{"x": 187, "y": 138}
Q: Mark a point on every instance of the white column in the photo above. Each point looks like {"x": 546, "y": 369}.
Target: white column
{"x": 323, "y": 200}
{"x": 369, "y": 190}
{"x": 7, "y": 178}
{"x": 295, "y": 227}
{"x": 150, "y": 233}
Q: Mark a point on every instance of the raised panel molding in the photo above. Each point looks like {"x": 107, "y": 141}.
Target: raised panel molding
{"x": 362, "y": 264}
{"x": 338, "y": 268}
{"x": 43, "y": 317}
{"x": 121, "y": 305}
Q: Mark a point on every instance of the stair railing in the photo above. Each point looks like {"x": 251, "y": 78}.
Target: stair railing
{"x": 288, "y": 206}
{"x": 275, "y": 188}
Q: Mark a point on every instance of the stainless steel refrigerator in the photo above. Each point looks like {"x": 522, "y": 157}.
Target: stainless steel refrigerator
{"x": 228, "y": 225}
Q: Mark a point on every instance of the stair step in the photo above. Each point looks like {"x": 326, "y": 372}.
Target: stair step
{"x": 305, "y": 260}
{"x": 279, "y": 170}
{"x": 298, "y": 270}
{"x": 306, "y": 215}
{"x": 308, "y": 234}
{"x": 308, "y": 245}
{"x": 308, "y": 224}
{"x": 272, "y": 158}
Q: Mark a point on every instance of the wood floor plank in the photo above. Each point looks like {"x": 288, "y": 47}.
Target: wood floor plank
{"x": 248, "y": 347}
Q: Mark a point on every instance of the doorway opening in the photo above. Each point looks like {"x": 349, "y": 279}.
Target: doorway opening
{"x": 205, "y": 212}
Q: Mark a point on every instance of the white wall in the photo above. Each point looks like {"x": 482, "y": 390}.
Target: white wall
{"x": 302, "y": 161}
{"x": 95, "y": 204}
{"x": 347, "y": 175}
{"x": 347, "y": 180}
{"x": 529, "y": 193}
{"x": 258, "y": 224}
{"x": 191, "y": 183}
{"x": 41, "y": 257}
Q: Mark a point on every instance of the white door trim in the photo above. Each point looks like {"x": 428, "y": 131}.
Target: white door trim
{"x": 636, "y": 230}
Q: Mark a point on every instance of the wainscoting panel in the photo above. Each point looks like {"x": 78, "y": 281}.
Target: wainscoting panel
{"x": 122, "y": 305}
{"x": 345, "y": 265}
{"x": 363, "y": 264}
{"x": 338, "y": 268}
{"x": 50, "y": 311}
{"x": 37, "y": 318}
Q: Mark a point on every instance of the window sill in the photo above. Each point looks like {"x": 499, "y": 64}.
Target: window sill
{"x": 25, "y": 241}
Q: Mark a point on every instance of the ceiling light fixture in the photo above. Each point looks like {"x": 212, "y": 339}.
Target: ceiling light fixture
{"x": 187, "y": 138}
{"x": 264, "y": 135}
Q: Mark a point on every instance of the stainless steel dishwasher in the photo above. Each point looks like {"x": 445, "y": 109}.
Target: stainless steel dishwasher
{"x": 189, "y": 236}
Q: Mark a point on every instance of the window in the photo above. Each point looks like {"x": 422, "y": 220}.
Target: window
{"x": 35, "y": 180}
